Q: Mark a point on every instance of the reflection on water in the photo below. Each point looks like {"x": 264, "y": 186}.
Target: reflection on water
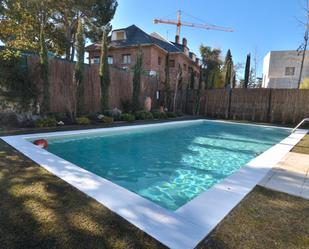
{"x": 169, "y": 165}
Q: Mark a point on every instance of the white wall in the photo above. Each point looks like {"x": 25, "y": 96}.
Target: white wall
{"x": 275, "y": 63}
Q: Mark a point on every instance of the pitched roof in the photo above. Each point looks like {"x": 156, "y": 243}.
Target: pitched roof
{"x": 136, "y": 36}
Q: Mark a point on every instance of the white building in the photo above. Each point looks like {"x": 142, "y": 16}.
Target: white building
{"x": 281, "y": 69}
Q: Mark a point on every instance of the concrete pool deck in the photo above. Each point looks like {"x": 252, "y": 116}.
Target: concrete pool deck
{"x": 290, "y": 175}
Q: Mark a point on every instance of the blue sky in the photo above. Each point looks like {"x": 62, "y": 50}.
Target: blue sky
{"x": 260, "y": 25}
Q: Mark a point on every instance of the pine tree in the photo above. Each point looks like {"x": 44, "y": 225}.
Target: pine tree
{"x": 104, "y": 71}
{"x": 79, "y": 68}
{"x": 247, "y": 71}
{"x": 137, "y": 80}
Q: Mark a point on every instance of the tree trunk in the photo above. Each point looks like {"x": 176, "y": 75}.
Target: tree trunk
{"x": 176, "y": 92}
{"x": 73, "y": 49}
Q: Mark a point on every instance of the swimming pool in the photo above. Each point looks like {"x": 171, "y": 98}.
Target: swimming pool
{"x": 175, "y": 181}
{"x": 169, "y": 165}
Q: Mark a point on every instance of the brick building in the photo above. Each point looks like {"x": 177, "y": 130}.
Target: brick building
{"x": 124, "y": 45}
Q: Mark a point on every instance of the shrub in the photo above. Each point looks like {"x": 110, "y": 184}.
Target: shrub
{"x": 305, "y": 84}
{"x": 115, "y": 113}
{"x": 160, "y": 115}
{"x": 59, "y": 116}
{"x": 92, "y": 116}
{"x": 83, "y": 121}
{"x": 127, "y": 117}
{"x": 171, "y": 115}
{"x": 179, "y": 113}
{"x": 107, "y": 120}
{"x": 143, "y": 115}
{"x": 126, "y": 106}
{"x": 14, "y": 78}
{"x": 46, "y": 122}
{"x": 8, "y": 119}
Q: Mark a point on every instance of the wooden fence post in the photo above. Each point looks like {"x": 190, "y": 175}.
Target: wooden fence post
{"x": 186, "y": 103}
{"x": 206, "y": 104}
{"x": 269, "y": 106}
{"x": 229, "y": 104}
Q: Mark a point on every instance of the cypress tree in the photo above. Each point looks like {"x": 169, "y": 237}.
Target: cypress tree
{"x": 192, "y": 79}
{"x": 137, "y": 80}
{"x": 234, "y": 80}
{"x": 79, "y": 68}
{"x": 247, "y": 71}
{"x": 228, "y": 69}
{"x": 167, "y": 86}
{"x": 44, "y": 71}
{"x": 178, "y": 83}
{"x": 104, "y": 71}
{"x": 198, "y": 95}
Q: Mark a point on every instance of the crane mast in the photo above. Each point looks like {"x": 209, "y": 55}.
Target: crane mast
{"x": 179, "y": 23}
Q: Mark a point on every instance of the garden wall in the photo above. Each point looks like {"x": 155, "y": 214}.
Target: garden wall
{"x": 62, "y": 87}
{"x": 261, "y": 105}
{"x": 285, "y": 106}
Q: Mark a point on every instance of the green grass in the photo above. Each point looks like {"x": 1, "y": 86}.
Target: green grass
{"x": 39, "y": 210}
{"x": 302, "y": 146}
{"x": 264, "y": 219}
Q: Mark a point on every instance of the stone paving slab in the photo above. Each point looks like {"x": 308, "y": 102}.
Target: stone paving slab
{"x": 290, "y": 176}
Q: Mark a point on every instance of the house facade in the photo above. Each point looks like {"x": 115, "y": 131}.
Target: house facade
{"x": 123, "y": 49}
{"x": 281, "y": 69}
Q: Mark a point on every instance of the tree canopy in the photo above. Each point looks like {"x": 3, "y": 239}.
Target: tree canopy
{"x": 212, "y": 67}
{"x": 305, "y": 84}
{"x": 20, "y": 22}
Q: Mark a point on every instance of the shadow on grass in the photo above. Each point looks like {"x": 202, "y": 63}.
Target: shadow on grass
{"x": 39, "y": 210}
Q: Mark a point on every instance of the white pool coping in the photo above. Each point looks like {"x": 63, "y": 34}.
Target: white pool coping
{"x": 180, "y": 229}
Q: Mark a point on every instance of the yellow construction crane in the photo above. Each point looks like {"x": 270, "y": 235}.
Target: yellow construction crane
{"x": 179, "y": 23}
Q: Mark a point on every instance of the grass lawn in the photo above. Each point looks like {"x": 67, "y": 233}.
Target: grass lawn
{"x": 265, "y": 219}
{"x": 39, "y": 210}
{"x": 302, "y": 146}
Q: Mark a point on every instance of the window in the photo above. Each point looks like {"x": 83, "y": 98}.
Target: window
{"x": 159, "y": 60}
{"x": 185, "y": 67}
{"x": 95, "y": 60}
{"x": 110, "y": 60}
{"x": 289, "y": 71}
{"x": 126, "y": 58}
{"x": 120, "y": 35}
{"x": 172, "y": 63}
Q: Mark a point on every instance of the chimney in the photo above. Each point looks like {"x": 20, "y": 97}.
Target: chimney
{"x": 184, "y": 42}
{"x": 177, "y": 39}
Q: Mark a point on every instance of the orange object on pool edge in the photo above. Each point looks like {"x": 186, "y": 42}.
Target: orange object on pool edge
{"x": 41, "y": 143}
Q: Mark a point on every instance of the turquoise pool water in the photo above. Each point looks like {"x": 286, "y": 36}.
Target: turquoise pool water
{"x": 169, "y": 165}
